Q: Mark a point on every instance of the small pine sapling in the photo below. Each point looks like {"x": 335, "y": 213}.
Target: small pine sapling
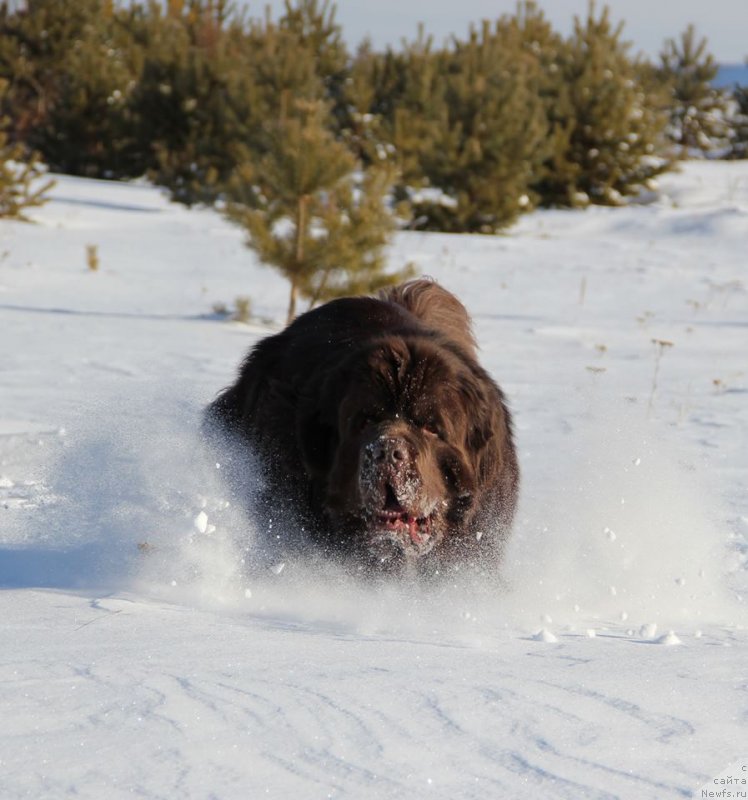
{"x": 698, "y": 110}
{"x": 22, "y": 183}
{"x": 311, "y": 212}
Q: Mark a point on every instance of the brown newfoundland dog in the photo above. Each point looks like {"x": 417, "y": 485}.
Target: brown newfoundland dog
{"x": 376, "y": 431}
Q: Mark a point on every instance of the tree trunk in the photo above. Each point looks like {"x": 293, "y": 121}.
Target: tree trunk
{"x": 292, "y": 303}
{"x": 301, "y": 223}
{"x": 321, "y": 286}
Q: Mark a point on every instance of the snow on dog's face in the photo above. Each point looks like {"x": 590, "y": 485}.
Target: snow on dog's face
{"x": 404, "y": 451}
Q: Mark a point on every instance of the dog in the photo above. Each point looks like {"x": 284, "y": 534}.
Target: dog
{"x": 377, "y": 431}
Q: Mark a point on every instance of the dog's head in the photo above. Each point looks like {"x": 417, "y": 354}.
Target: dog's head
{"x": 401, "y": 439}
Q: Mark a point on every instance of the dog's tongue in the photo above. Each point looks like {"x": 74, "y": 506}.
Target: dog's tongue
{"x": 413, "y": 531}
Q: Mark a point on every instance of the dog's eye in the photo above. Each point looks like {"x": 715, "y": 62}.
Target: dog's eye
{"x": 364, "y": 420}
{"x": 429, "y": 428}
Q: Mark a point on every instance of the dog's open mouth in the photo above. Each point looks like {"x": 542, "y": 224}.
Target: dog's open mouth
{"x": 418, "y": 529}
{"x": 397, "y": 532}
{"x": 397, "y": 537}
{"x": 403, "y": 528}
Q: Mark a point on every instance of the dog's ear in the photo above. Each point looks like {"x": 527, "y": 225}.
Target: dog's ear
{"x": 317, "y": 420}
{"x": 488, "y": 439}
{"x": 489, "y": 425}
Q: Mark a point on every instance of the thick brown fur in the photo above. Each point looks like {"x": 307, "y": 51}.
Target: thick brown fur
{"x": 377, "y": 430}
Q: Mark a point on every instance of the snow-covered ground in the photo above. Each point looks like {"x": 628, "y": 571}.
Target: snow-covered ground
{"x": 138, "y": 658}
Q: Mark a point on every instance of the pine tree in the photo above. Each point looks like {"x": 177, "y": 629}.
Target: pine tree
{"x": 609, "y": 142}
{"x": 71, "y": 68}
{"x": 90, "y": 128}
{"x": 497, "y": 121}
{"x": 312, "y": 25}
{"x": 398, "y": 113}
{"x": 543, "y": 47}
{"x": 195, "y": 100}
{"x": 22, "y": 183}
{"x": 213, "y": 81}
{"x": 698, "y": 111}
{"x": 739, "y": 143}
{"x": 35, "y": 37}
{"x": 363, "y": 121}
{"x": 418, "y": 120}
{"x": 466, "y": 125}
{"x": 305, "y": 215}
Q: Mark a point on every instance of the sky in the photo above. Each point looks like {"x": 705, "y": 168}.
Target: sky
{"x": 648, "y": 22}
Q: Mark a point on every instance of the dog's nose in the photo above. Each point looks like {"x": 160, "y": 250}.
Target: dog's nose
{"x": 388, "y": 450}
